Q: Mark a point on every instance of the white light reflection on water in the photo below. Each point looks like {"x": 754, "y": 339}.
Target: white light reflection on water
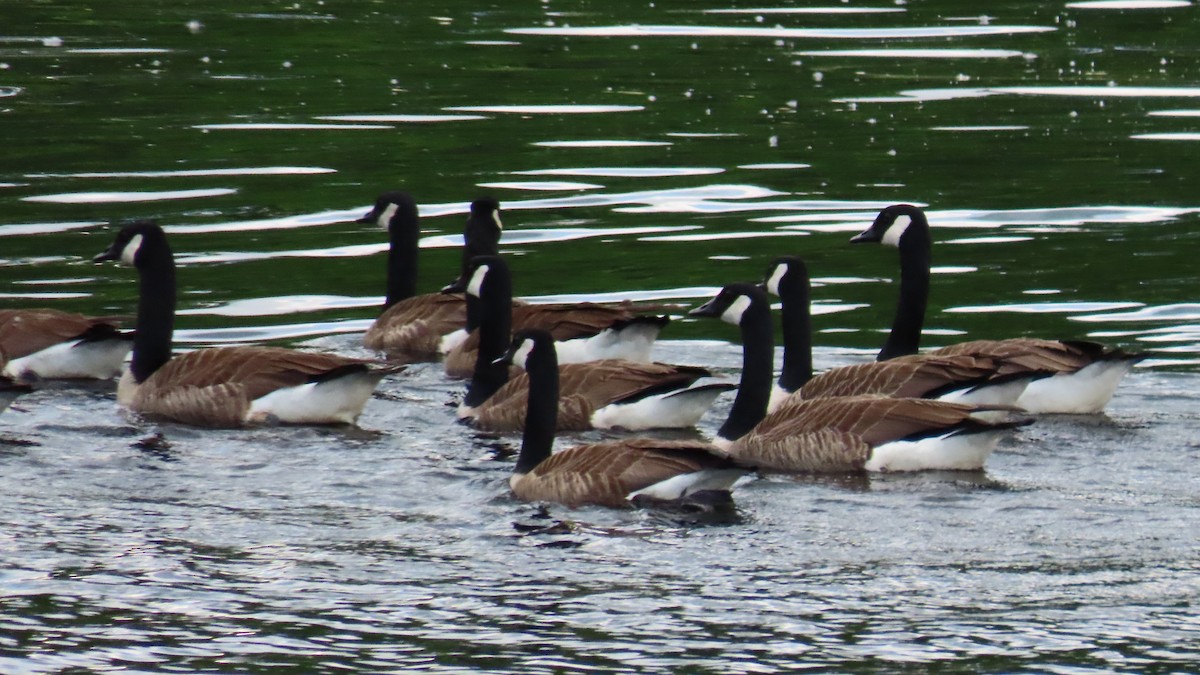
{"x": 716, "y": 206}
{"x": 996, "y": 127}
{"x": 1176, "y": 312}
{"x": 602, "y": 144}
{"x": 284, "y": 304}
{"x": 988, "y": 240}
{"x": 768, "y": 11}
{"x": 127, "y": 197}
{"x": 769, "y": 32}
{"x": 1129, "y": 4}
{"x": 1168, "y": 136}
{"x": 401, "y": 119}
{"x": 721, "y": 236}
{"x": 916, "y": 53}
{"x": 43, "y": 296}
{"x": 556, "y": 109}
{"x": 777, "y": 166}
{"x": 542, "y": 186}
{"x": 259, "y": 334}
{"x": 194, "y": 173}
{"x": 289, "y": 126}
{"x": 624, "y": 172}
{"x": 1044, "y": 307}
{"x": 118, "y": 51}
{"x": 641, "y": 295}
{"x": 1174, "y": 113}
{"x": 23, "y": 229}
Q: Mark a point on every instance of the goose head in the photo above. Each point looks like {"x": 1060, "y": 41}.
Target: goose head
{"x": 896, "y": 226}
{"x": 785, "y": 274}
{"x": 393, "y": 211}
{"x": 134, "y": 244}
{"x": 530, "y": 348}
{"x": 736, "y": 304}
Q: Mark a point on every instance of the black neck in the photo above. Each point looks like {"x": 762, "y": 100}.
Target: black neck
{"x": 401, "y": 264}
{"x": 797, "y": 334}
{"x": 754, "y": 391}
{"x": 495, "y": 332}
{"x": 541, "y": 416}
{"x": 915, "y": 259}
{"x": 156, "y": 309}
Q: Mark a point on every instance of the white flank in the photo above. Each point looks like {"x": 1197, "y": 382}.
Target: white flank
{"x": 1006, "y": 393}
{"x": 340, "y": 400}
{"x": 686, "y": 484}
{"x": 891, "y": 237}
{"x": 1085, "y": 391}
{"x": 957, "y": 452}
{"x": 385, "y": 218}
{"x": 95, "y": 359}
{"x": 129, "y": 253}
{"x": 632, "y": 343}
{"x": 736, "y": 309}
{"x": 677, "y": 410}
{"x": 451, "y": 340}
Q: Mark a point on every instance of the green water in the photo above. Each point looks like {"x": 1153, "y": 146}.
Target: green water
{"x": 652, "y": 149}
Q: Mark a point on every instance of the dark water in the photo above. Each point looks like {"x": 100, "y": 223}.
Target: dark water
{"x": 640, "y": 150}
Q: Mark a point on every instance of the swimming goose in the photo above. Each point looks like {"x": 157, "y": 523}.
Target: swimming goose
{"x": 52, "y": 344}
{"x": 228, "y": 386}
{"x": 421, "y": 327}
{"x": 837, "y": 434}
{"x": 617, "y": 473}
{"x": 1076, "y": 376}
{"x": 602, "y": 394}
{"x": 962, "y": 379}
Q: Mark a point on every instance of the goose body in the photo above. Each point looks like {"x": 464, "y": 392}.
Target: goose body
{"x": 583, "y": 332}
{"x": 601, "y": 394}
{"x": 613, "y": 473}
{"x": 964, "y": 378}
{"x": 229, "y": 386}
{"x": 1068, "y": 376}
{"x": 839, "y": 434}
{"x": 52, "y": 344}
{"x": 422, "y": 327}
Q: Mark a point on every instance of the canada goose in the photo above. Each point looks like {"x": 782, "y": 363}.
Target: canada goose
{"x": 421, "y": 327}
{"x": 1077, "y": 376}
{"x": 229, "y": 386}
{"x": 837, "y": 434}
{"x": 613, "y": 473}
{"x": 961, "y": 379}
{"x": 595, "y": 395}
{"x": 52, "y": 344}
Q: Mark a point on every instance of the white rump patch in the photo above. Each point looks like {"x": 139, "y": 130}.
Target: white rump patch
{"x": 678, "y": 487}
{"x": 129, "y": 253}
{"x": 776, "y": 277}
{"x": 672, "y": 410}
{"x": 1084, "y": 391}
{"x": 734, "y": 314}
{"x": 98, "y": 360}
{"x": 892, "y": 236}
{"x": 385, "y": 218}
{"x": 340, "y": 400}
{"x": 477, "y": 280}
{"x": 452, "y": 340}
{"x": 632, "y": 343}
{"x": 953, "y": 452}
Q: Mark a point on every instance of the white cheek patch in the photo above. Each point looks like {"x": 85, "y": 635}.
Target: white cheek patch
{"x": 734, "y": 314}
{"x": 776, "y": 277}
{"x": 385, "y": 218}
{"x": 129, "y": 253}
{"x": 892, "y": 236}
{"x": 521, "y": 356}
{"x": 477, "y": 280}
{"x": 496, "y": 217}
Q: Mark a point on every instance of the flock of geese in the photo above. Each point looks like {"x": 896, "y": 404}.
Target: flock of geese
{"x": 541, "y": 368}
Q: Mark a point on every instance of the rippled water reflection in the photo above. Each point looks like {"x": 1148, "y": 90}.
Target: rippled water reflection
{"x": 643, "y": 152}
